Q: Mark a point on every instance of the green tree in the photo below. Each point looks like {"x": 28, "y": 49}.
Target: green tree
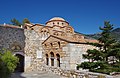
{"x": 15, "y": 22}
{"x": 106, "y": 58}
{"x": 8, "y": 63}
{"x": 25, "y": 20}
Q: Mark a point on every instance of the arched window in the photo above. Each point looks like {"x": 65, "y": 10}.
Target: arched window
{"x": 53, "y": 23}
{"x": 52, "y": 58}
{"x": 32, "y": 29}
{"x": 59, "y": 44}
{"x": 16, "y": 48}
{"x": 58, "y": 23}
{"x": 58, "y": 60}
{"x": 44, "y": 30}
{"x": 45, "y": 45}
{"x": 62, "y": 23}
{"x": 69, "y": 30}
{"x": 47, "y": 59}
{"x": 56, "y": 33}
{"x": 51, "y": 44}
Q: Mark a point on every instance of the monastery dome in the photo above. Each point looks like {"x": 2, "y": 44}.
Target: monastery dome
{"x": 57, "y": 18}
{"x": 57, "y": 21}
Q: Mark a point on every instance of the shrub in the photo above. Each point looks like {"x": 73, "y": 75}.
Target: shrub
{"x": 8, "y": 63}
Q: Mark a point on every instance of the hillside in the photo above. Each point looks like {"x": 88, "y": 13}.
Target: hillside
{"x": 115, "y": 33}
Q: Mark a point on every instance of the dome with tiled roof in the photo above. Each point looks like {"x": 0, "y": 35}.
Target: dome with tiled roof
{"x": 57, "y": 21}
{"x": 57, "y": 18}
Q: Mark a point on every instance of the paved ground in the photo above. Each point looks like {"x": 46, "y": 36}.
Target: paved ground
{"x": 41, "y": 75}
{"x": 118, "y": 76}
{"x": 35, "y": 75}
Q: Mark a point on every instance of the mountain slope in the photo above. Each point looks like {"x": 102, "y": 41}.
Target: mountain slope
{"x": 115, "y": 34}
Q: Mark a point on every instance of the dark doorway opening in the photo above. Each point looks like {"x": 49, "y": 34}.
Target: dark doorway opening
{"x": 58, "y": 60}
{"x": 20, "y": 65}
{"x": 52, "y": 58}
{"x": 47, "y": 59}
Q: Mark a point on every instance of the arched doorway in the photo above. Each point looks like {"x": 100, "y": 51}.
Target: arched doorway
{"x": 20, "y": 65}
{"x": 58, "y": 60}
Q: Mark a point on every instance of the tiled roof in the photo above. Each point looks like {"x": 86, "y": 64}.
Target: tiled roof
{"x": 10, "y": 26}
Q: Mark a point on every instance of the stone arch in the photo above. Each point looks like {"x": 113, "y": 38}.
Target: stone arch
{"x": 58, "y": 33}
{"x": 59, "y": 44}
{"x": 20, "y": 65}
{"x": 69, "y": 29}
{"x": 52, "y": 58}
{"x": 45, "y": 32}
{"x": 20, "y": 53}
{"x": 15, "y": 47}
{"x": 47, "y": 59}
{"x": 58, "y": 60}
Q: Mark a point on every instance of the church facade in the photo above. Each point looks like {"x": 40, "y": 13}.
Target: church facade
{"x": 54, "y": 44}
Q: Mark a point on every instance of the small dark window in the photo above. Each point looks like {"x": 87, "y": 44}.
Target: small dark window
{"x": 56, "y": 34}
{"x": 47, "y": 59}
{"x": 51, "y": 44}
{"x": 52, "y": 58}
{"x": 59, "y": 44}
{"x": 32, "y": 29}
{"x": 45, "y": 45}
{"x": 58, "y": 23}
{"x": 58, "y": 60}
{"x": 44, "y": 30}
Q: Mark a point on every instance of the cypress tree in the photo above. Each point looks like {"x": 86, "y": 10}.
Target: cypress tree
{"x": 106, "y": 57}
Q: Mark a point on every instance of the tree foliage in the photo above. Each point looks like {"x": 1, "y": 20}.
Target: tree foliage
{"x": 14, "y": 21}
{"x": 8, "y": 63}
{"x": 25, "y": 20}
{"x": 106, "y": 58}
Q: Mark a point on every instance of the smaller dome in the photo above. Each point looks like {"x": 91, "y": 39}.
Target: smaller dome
{"x": 57, "y": 18}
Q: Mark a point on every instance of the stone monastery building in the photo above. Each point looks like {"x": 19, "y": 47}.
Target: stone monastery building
{"x": 54, "y": 44}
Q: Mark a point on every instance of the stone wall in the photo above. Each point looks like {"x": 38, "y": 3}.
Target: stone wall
{"x": 10, "y": 37}
{"x": 27, "y": 42}
{"x": 73, "y": 55}
{"x": 65, "y": 73}
{"x": 33, "y": 50}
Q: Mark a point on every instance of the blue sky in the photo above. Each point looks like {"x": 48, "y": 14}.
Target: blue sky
{"x": 85, "y": 16}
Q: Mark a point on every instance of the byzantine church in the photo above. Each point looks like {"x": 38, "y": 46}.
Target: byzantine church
{"x": 54, "y": 44}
